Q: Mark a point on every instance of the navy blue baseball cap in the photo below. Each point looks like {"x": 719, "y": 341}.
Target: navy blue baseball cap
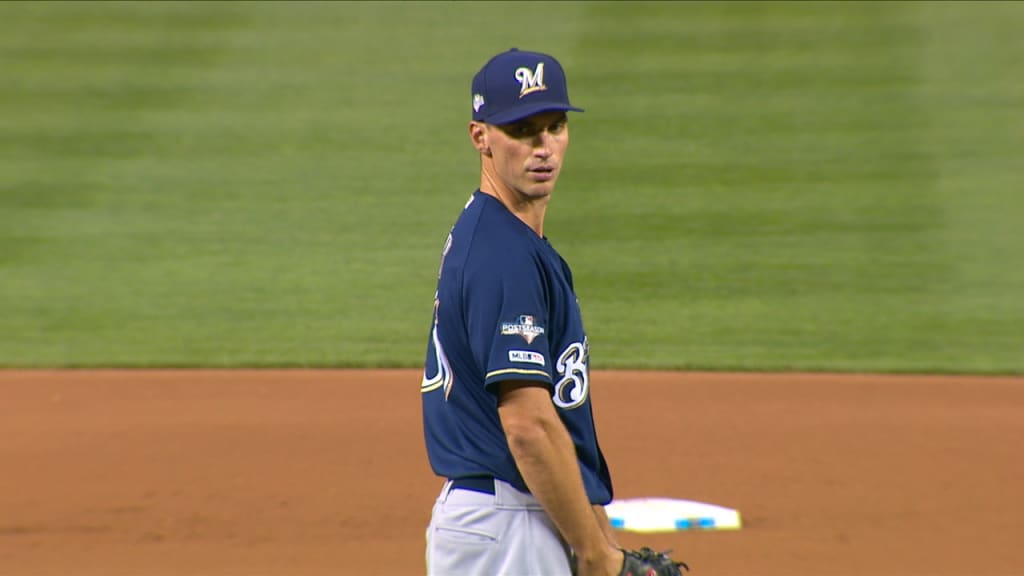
{"x": 517, "y": 84}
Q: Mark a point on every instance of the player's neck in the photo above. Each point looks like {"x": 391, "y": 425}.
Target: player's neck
{"x": 530, "y": 210}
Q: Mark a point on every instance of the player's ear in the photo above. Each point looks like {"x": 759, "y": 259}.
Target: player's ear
{"x": 478, "y": 134}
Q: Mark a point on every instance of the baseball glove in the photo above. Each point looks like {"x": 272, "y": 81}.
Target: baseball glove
{"x": 647, "y": 562}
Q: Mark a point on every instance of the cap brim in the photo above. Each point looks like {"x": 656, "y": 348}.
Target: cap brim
{"x": 520, "y": 112}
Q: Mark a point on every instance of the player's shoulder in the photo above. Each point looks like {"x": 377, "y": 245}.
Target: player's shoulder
{"x": 493, "y": 241}
{"x": 493, "y": 229}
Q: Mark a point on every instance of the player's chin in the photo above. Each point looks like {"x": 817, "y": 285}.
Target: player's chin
{"x": 537, "y": 191}
{"x": 540, "y": 185}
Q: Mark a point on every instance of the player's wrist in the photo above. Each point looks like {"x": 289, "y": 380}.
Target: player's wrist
{"x": 600, "y": 559}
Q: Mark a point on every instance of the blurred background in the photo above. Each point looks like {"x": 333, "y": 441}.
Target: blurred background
{"x": 769, "y": 186}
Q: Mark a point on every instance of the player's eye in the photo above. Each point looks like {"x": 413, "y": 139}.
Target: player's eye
{"x": 525, "y": 129}
{"x": 522, "y": 130}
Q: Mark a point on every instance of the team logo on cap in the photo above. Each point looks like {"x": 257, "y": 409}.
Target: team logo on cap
{"x": 523, "y": 326}
{"x": 478, "y": 102}
{"x": 531, "y": 80}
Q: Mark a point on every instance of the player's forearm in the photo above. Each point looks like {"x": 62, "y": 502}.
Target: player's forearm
{"x": 606, "y": 525}
{"x": 546, "y": 458}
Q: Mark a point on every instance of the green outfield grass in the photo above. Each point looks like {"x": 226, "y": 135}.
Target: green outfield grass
{"x": 756, "y": 186}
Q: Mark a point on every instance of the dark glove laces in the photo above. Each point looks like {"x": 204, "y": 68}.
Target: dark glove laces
{"x": 649, "y": 556}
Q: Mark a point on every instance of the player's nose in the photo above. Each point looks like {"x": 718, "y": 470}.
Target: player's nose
{"x": 543, "y": 144}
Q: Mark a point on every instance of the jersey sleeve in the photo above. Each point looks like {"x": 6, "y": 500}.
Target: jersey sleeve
{"x": 508, "y": 313}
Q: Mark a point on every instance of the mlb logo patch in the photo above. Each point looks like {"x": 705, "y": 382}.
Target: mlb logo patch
{"x": 526, "y": 356}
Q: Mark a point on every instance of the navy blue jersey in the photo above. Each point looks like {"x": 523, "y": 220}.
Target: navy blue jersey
{"x": 505, "y": 309}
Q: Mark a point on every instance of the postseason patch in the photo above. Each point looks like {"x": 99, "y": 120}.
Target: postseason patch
{"x": 523, "y": 326}
{"x": 526, "y": 356}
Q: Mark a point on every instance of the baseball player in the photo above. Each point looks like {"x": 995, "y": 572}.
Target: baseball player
{"x": 506, "y": 386}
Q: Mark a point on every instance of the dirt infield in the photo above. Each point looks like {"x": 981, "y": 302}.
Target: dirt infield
{"x": 308, "y": 473}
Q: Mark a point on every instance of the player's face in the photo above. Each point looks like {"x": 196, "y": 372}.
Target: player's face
{"x": 528, "y": 154}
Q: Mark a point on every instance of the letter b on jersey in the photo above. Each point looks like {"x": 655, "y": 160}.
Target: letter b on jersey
{"x": 573, "y": 387}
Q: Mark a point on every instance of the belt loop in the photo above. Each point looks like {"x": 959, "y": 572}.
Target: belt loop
{"x": 446, "y": 490}
{"x": 500, "y": 494}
